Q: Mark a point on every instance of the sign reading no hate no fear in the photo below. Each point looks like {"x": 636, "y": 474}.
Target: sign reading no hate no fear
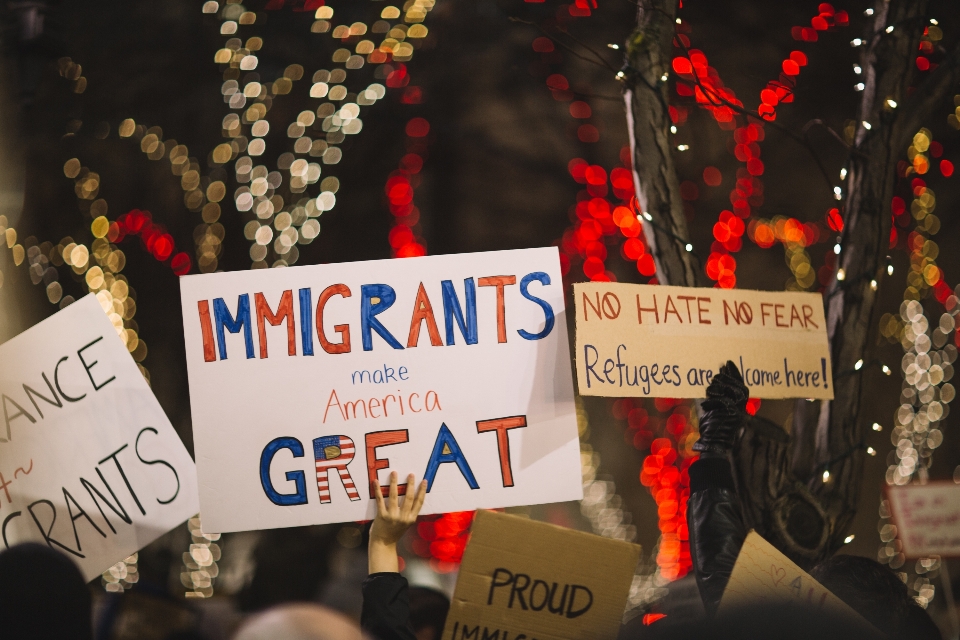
{"x": 658, "y": 341}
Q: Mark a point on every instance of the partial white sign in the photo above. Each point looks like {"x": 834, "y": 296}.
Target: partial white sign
{"x": 89, "y": 463}
{"x": 307, "y": 383}
{"x": 927, "y": 517}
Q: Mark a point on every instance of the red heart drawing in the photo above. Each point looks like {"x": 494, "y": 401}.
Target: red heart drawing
{"x": 778, "y": 574}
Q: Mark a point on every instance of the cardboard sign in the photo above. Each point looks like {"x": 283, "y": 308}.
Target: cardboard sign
{"x": 519, "y": 576}
{"x": 89, "y": 463}
{"x": 763, "y": 575}
{"x": 643, "y": 340}
{"x": 308, "y": 383}
{"x": 927, "y": 517}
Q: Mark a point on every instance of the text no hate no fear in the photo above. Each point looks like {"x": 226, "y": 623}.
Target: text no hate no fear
{"x": 696, "y": 309}
{"x": 632, "y": 364}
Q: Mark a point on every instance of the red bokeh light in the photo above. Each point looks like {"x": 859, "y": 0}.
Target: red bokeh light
{"x": 417, "y": 128}
{"x": 712, "y": 176}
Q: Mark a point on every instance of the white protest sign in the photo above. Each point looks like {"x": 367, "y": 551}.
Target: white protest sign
{"x": 927, "y": 517}
{"x": 307, "y": 383}
{"x": 89, "y": 463}
{"x": 668, "y": 342}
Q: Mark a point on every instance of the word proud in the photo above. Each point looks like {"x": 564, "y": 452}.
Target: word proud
{"x": 374, "y": 299}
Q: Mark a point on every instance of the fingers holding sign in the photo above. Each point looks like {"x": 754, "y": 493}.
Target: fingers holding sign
{"x": 394, "y": 517}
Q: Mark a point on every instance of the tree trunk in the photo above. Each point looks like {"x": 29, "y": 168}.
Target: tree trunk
{"x": 649, "y": 52}
{"x": 781, "y": 479}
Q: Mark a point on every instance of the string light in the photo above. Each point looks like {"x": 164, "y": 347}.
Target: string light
{"x": 276, "y": 225}
{"x": 200, "y": 561}
{"x": 121, "y": 576}
{"x": 927, "y": 365}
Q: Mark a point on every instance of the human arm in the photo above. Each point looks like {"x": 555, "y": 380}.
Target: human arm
{"x": 714, "y": 513}
{"x": 392, "y": 521}
{"x": 386, "y": 608}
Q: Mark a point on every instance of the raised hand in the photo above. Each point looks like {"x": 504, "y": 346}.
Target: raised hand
{"x": 392, "y": 521}
{"x": 724, "y": 411}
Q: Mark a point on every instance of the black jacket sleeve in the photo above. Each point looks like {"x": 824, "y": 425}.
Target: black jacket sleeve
{"x": 386, "y": 607}
{"x": 715, "y": 523}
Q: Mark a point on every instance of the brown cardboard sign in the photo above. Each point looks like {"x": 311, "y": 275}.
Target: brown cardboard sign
{"x": 526, "y": 580}
{"x": 763, "y": 575}
{"x": 669, "y": 342}
{"x": 927, "y": 517}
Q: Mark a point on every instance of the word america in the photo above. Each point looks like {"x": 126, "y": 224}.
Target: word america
{"x": 374, "y": 300}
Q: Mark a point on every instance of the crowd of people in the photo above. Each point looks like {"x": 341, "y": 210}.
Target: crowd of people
{"x": 43, "y": 595}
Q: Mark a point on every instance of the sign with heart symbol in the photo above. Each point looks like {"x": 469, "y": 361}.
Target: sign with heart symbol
{"x": 764, "y": 576}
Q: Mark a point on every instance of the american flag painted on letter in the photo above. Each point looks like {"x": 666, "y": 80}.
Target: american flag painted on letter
{"x": 334, "y": 452}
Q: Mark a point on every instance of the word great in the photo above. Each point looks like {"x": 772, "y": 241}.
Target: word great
{"x": 337, "y": 452}
{"x": 374, "y": 299}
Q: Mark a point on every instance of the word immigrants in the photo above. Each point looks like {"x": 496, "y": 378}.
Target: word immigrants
{"x": 374, "y": 299}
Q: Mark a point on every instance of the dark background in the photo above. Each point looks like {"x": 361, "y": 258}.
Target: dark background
{"x": 495, "y": 176}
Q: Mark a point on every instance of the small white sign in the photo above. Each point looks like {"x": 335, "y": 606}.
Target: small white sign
{"x": 89, "y": 463}
{"x": 307, "y": 383}
{"x": 927, "y": 517}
